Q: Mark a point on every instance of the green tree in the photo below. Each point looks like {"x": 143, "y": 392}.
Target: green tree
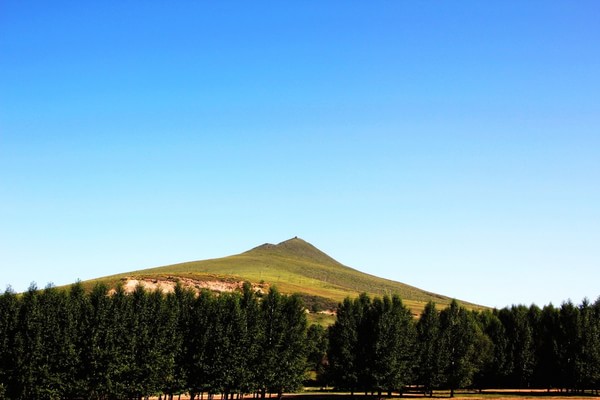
{"x": 344, "y": 353}
{"x": 545, "y": 335}
{"x": 121, "y": 346}
{"x": 569, "y": 340}
{"x": 587, "y": 363}
{"x": 97, "y": 353}
{"x": 9, "y": 352}
{"x": 252, "y": 338}
{"x": 228, "y": 359}
{"x": 394, "y": 344}
{"x": 59, "y": 358}
{"x": 28, "y": 361}
{"x": 429, "y": 364}
{"x": 521, "y": 350}
{"x": 282, "y": 350}
{"x": 457, "y": 346}
{"x": 198, "y": 344}
{"x": 153, "y": 353}
{"x": 493, "y": 345}
{"x": 181, "y": 303}
{"x": 79, "y": 311}
{"x": 592, "y": 339}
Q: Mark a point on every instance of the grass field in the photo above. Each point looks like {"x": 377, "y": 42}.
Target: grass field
{"x": 294, "y": 266}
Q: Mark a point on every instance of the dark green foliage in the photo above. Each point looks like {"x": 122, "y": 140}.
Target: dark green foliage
{"x": 458, "y": 338}
{"x": 78, "y": 313}
{"x": 428, "y": 371}
{"x": 229, "y": 340}
{"x": 69, "y": 344}
{"x": 393, "y": 342}
{"x": 29, "y": 368}
{"x": 344, "y": 346}
{"x": 282, "y": 359}
{"x": 57, "y": 344}
{"x": 587, "y": 360}
{"x": 547, "y": 372}
{"x": 569, "y": 339}
{"x": 492, "y": 344}
{"x": 589, "y": 363}
{"x": 371, "y": 345}
{"x": 520, "y": 351}
{"x": 9, "y": 352}
{"x": 180, "y": 303}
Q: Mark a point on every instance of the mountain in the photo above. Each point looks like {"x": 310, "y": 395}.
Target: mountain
{"x": 294, "y": 266}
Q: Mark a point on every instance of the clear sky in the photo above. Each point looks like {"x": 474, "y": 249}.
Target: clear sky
{"x": 453, "y": 146}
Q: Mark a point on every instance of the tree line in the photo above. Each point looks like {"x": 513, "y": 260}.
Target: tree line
{"x": 375, "y": 346}
{"x": 71, "y": 344}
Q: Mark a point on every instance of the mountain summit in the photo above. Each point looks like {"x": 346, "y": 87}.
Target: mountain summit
{"x": 294, "y": 247}
{"x": 294, "y": 266}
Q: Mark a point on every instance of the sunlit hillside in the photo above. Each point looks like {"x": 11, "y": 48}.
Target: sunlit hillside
{"x": 294, "y": 266}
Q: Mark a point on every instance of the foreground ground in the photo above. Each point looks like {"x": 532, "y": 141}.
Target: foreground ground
{"x": 508, "y": 394}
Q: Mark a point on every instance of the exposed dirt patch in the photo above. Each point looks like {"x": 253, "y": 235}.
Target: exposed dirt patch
{"x": 167, "y": 285}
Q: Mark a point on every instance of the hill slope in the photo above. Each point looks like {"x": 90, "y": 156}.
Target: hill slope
{"x": 294, "y": 266}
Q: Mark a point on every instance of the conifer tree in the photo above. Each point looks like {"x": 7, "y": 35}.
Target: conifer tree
{"x": 229, "y": 340}
{"x": 457, "y": 346}
{"x": 547, "y": 367}
{"x": 569, "y": 344}
{"x": 79, "y": 311}
{"x": 97, "y": 351}
{"x": 492, "y": 366}
{"x": 121, "y": 346}
{"x": 593, "y": 341}
{"x": 153, "y": 352}
{"x": 394, "y": 339}
{"x": 521, "y": 351}
{"x": 9, "y": 317}
{"x": 429, "y": 363}
{"x": 587, "y": 363}
{"x": 180, "y": 302}
{"x": 58, "y": 357}
{"x": 365, "y": 342}
{"x": 28, "y": 362}
{"x": 252, "y": 337}
{"x": 343, "y": 371}
{"x": 282, "y": 350}
{"x": 198, "y": 345}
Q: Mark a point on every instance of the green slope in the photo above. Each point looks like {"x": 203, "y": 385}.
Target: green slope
{"x": 294, "y": 266}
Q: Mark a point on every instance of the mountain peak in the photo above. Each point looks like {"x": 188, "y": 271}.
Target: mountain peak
{"x": 295, "y": 248}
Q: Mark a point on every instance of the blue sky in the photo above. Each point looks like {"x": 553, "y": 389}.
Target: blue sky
{"x": 454, "y": 146}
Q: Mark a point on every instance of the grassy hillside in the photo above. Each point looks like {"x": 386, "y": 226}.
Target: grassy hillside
{"x": 294, "y": 266}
